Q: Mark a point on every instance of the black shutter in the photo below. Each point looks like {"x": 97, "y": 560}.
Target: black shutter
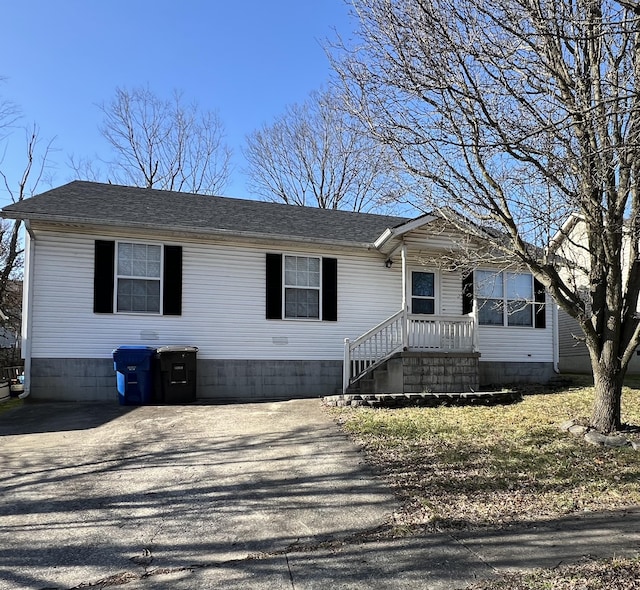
{"x": 467, "y": 293}
{"x": 103, "y": 276}
{"x": 539, "y": 295}
{"x": 330, "y": 289}
{"x": 274, "y": 287}
{"x": 172, "y": 283}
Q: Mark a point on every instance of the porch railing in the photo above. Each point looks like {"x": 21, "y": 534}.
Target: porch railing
{"x": 407, "y": 332}
{"x": 448, "y": 333}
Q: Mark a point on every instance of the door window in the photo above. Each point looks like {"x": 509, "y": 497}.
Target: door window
{"x": 423, "y": 292}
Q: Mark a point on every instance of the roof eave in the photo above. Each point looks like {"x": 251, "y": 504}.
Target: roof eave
{"x": 386, "y": 235}
{"x": 388, "y": 240}
{"x": 566, "y": 228}
{"x": 215, "y": 232}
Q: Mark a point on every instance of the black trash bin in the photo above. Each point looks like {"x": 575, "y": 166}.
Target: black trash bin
{"x": 134, "y": 374}
{"x": 175, "y": 374}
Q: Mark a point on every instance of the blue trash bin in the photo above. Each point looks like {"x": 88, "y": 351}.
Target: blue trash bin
{"x": 133, "y": 365}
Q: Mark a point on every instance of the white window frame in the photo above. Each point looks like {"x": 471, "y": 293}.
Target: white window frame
{"x": 504, "y": 300}
{"x": 118, "y": 276}
{"x": 436, "y": 290}
{"x": 286, "y": 286}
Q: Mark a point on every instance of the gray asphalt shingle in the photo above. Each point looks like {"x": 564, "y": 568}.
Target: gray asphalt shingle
{"x": 106, "y": 204}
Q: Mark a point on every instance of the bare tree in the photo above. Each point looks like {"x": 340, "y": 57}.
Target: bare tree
{"x": 516, "y": 113}
{"x": 315, "y": 154}
{"x": 9, "y": 114}
{"x": 163, "y": 144}
{"x": 11, "y": 249}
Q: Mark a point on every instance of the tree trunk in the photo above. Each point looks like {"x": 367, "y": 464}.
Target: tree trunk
{"x": 607, "y": 382}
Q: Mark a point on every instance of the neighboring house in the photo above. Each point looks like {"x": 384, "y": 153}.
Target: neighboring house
{"x": 572, "y": 246}
{"x": 268, "y": 293}
{"x": 10, "y": 316}
{"x": 10, "y": 326}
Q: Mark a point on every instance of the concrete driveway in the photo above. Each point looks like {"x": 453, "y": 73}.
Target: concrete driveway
{"x": 102, "y": 494}
{"x": 238, "y": 496}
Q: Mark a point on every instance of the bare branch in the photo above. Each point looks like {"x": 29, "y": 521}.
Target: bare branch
{"x": 37, "y": 161}
{"x": 317, "y": 155}
{"x": 163, "y": 144}
{"x": 516, "y": 114}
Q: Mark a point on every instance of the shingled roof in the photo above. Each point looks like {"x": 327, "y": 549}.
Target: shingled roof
{"x": 81, "y": 202}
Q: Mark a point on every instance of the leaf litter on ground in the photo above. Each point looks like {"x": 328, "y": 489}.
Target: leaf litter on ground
{"x": 496, "y": 466}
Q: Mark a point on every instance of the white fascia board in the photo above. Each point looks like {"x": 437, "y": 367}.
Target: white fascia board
{"x": 92, "y": 224}
{"x": 565, "y": 230}
{"x": 386, "y": 235}
{"x": 398, "y": 232}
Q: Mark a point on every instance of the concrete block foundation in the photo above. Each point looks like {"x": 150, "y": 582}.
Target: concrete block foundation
{"x": 502, "y": 373}
{"x": 440, "y": 372}
{"x": 89, "y": 379}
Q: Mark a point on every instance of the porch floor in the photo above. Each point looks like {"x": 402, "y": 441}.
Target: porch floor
{"x": 431, "y": 399}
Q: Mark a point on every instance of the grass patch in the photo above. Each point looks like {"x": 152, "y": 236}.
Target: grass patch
{"x": 468, "y": 467}
{"x": 610, "y": 574}
{"x": 10, "y": 405}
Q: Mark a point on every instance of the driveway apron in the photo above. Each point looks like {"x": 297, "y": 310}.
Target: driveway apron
{"x": 96, "y": 491}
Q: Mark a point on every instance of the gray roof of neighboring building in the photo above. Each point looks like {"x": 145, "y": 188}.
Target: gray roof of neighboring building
{"x": 91, "y": 203}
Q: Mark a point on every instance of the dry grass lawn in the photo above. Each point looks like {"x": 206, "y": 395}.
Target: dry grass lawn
{"x": 612, "y": 574}
{"x": 467, "y": 467}
{"x": 470, "y": 467}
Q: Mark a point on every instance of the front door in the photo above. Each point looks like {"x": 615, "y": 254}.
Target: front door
{"x": 422, "y": 292}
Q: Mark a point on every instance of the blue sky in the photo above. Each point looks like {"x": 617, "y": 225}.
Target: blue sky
{"x": 247, "y": 59}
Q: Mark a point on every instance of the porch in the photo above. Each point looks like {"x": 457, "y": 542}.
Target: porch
{"x": 411, "y": 353}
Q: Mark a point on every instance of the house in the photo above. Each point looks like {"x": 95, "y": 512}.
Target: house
{"x": 282, "y": 301}
{"x": 571, "y": 246}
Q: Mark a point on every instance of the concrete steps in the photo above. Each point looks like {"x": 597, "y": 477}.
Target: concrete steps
{"x": 421, "y": 372}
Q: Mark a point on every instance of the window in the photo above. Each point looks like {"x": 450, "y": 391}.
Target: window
{"x": 301, "y": 287}
{"x": 423, "y": 292}
{"x": 142, "y": 278}
{"x": 138, "y": 277}
{"x": 504, "y": 298}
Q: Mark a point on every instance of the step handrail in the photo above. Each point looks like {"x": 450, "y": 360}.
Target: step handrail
{"x": 403, "y": 331}
{"x": 372, "y": 347}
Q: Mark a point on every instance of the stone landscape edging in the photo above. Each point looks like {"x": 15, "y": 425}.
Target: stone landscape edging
{"x": 593, "y": 437}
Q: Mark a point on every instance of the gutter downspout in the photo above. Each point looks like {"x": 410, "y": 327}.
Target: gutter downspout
{"x": 556, "y": 339}
{"x": 27, "y": 303}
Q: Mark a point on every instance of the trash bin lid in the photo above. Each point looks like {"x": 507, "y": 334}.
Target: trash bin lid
{"x": 133, "y": 355}
{"x": 134, "y": 347}
{"x": 176, "y": 349}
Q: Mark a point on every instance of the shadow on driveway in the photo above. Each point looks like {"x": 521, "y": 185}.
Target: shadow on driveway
{"x": 93, "y": 490}
{"x": 37, "y": 417}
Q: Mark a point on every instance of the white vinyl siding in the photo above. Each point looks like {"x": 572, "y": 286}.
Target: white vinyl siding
{"x": 450, "y": 293}
{"x": 567, "y": 327}
{"x": 223, "y": 304}
{"x": 517, "y": 343}
{"x": 223, "y": 300}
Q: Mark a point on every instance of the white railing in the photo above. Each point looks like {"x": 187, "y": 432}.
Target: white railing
{"x": 372, "y": 347}
{"x": 447, "y": 333}
{"x": 408, "y": 332}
